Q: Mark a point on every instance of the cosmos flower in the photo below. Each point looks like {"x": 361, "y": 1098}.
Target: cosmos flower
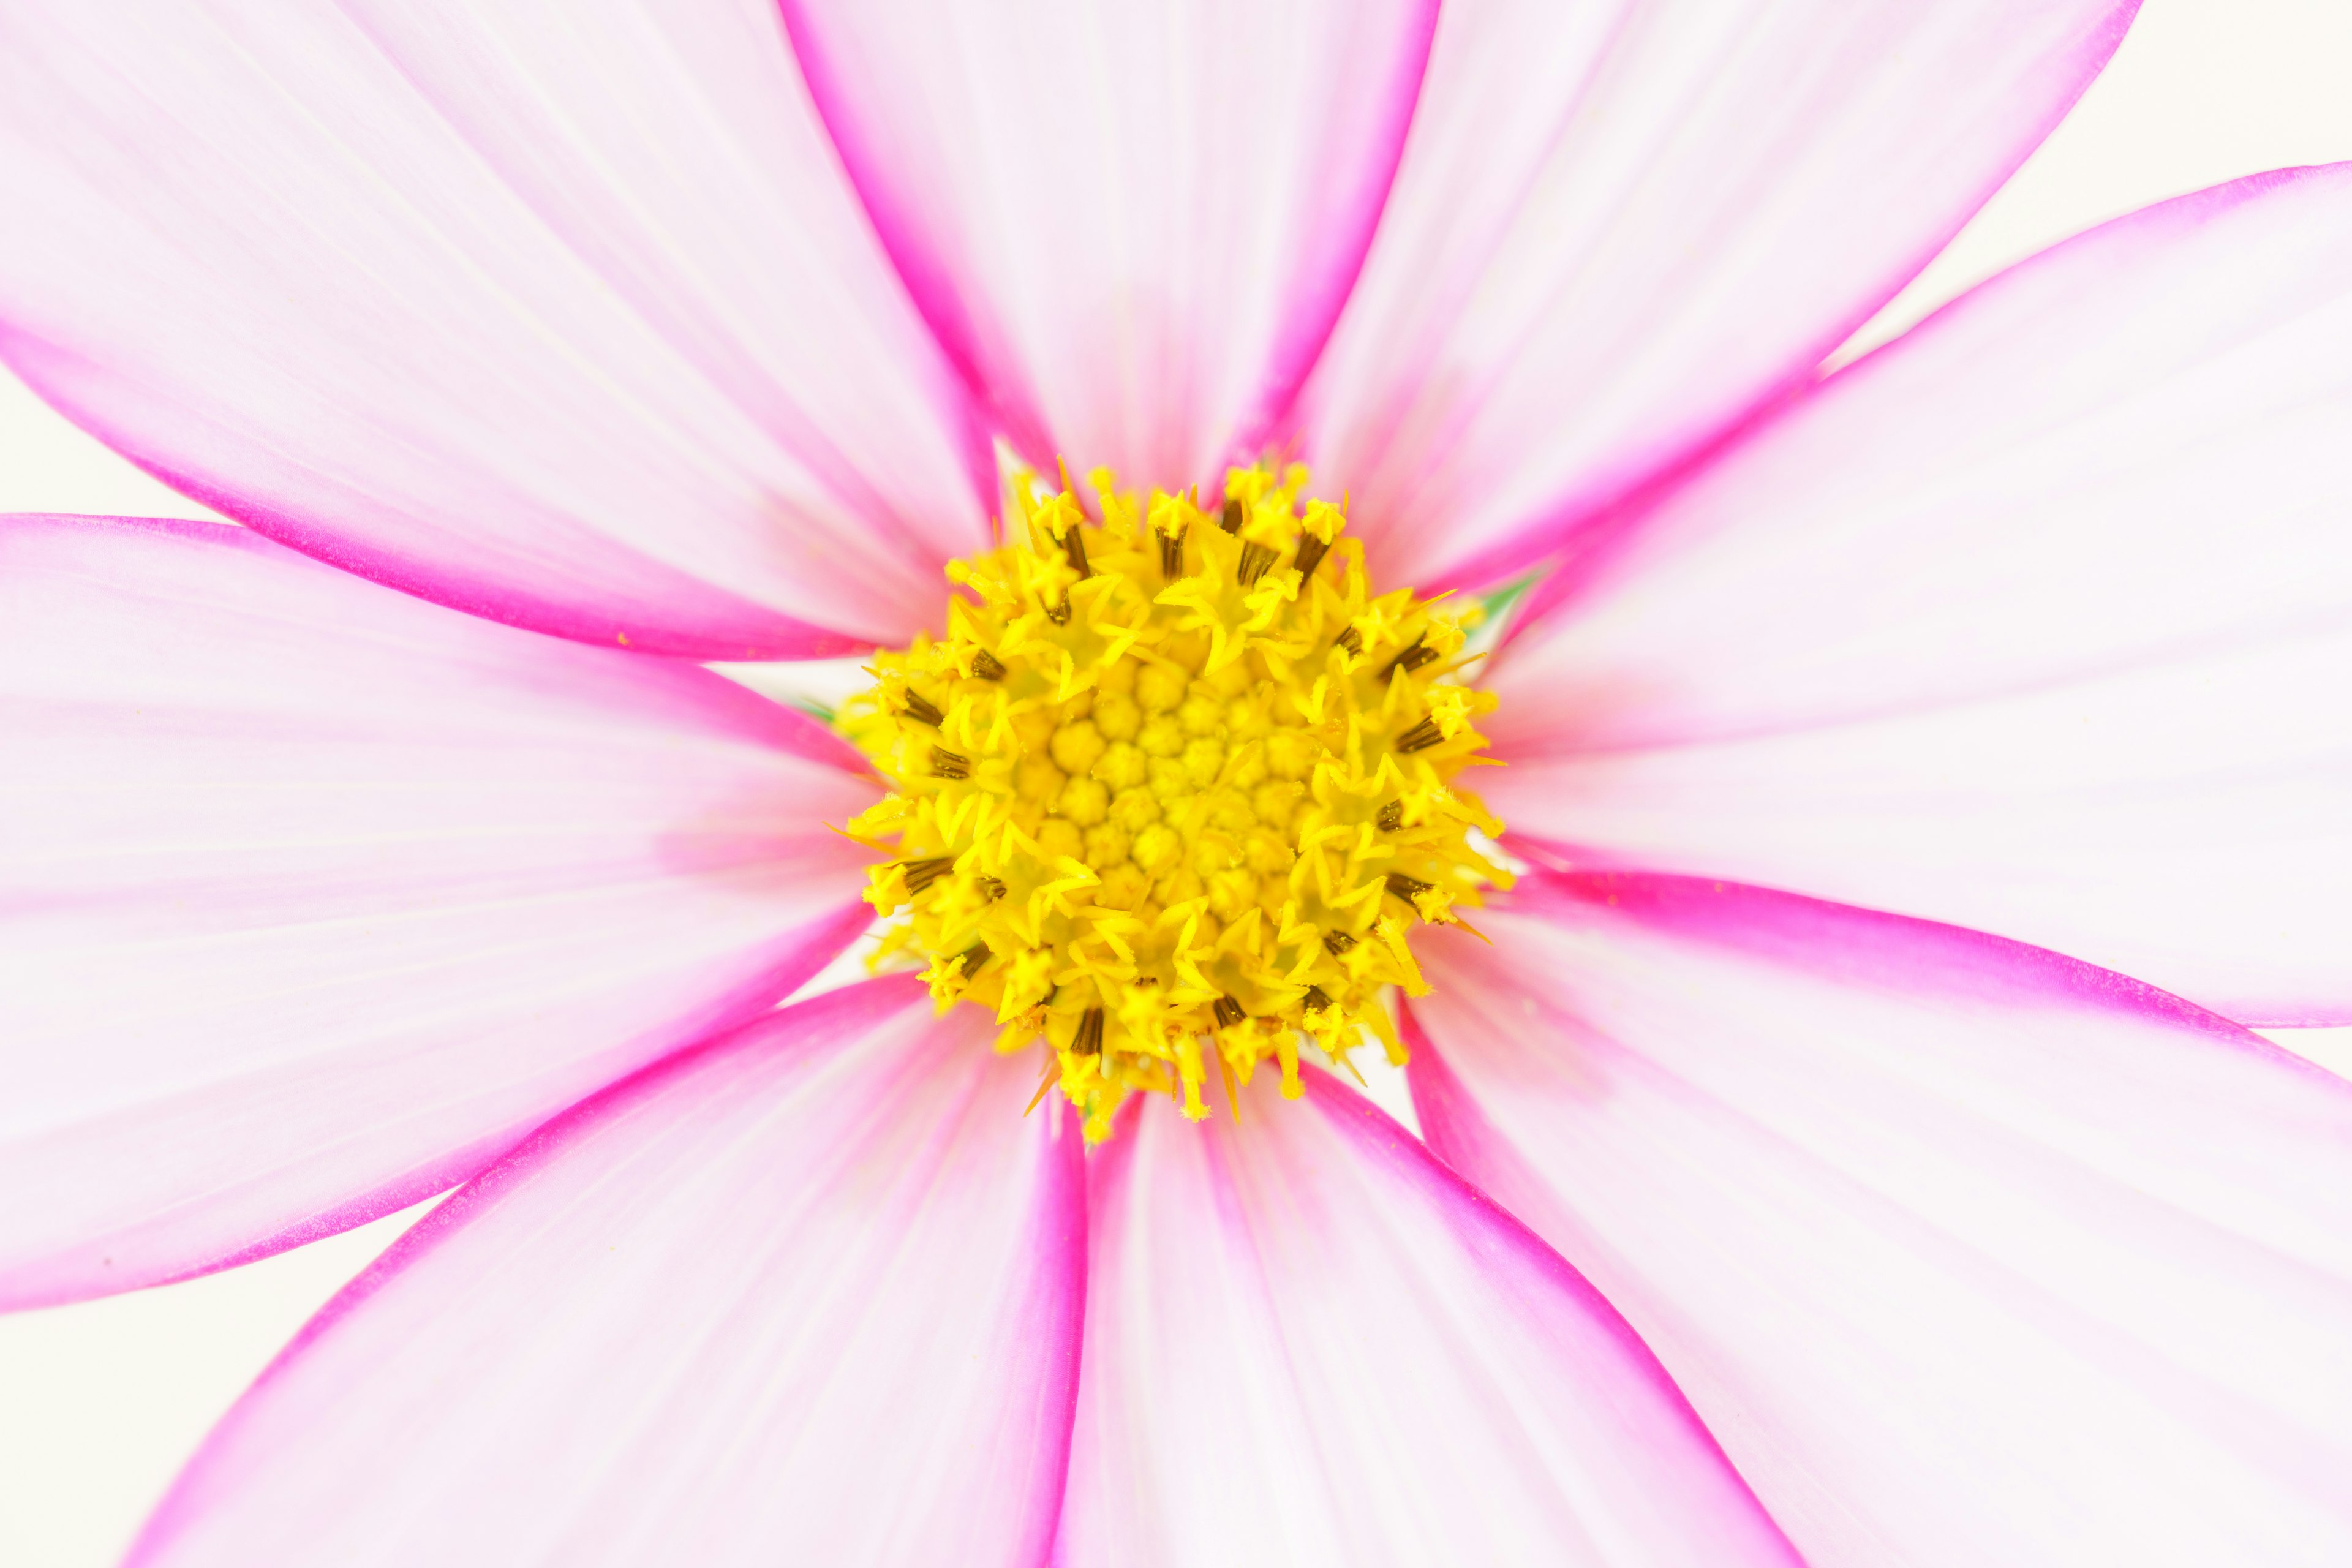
{"x": 1804, "y": 1178}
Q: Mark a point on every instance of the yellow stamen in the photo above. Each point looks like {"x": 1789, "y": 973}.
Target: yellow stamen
{"x": 1175, "y": 778}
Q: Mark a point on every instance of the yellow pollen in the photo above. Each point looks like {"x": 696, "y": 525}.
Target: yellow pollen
{"x": 1175, "y": 789}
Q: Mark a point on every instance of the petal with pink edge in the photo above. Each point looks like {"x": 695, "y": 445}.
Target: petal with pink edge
{"x": 1309, "y": 1342}
{"x": 314, "y": 897}
{"x": 561, "y": 311}
{"x": 2037, "y": 621}
{"x": 1132, "y": 225}
{"x": 812, "y": 1294}
{"x": 1968, "y": 1252}
{"x": 1620, "y": 229}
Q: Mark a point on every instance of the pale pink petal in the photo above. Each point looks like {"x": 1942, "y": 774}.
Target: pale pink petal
{"x": 1969, "y": 1253}
{"x": 2039, "y": 621}
{"x": 1309, "y": 1342}
{"x": 812, "y": 1294}
{"x": 1132, "y": 225}
{"x": 561, "y": 311}
{"x": 1622, "y": 227}
{"x": 314, "y": 897}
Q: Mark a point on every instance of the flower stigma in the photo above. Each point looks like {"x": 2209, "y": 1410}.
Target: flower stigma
{"x": 1175, "y": 788}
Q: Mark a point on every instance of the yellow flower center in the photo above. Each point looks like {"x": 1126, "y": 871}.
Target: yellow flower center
{"x": 1175, "y": 788}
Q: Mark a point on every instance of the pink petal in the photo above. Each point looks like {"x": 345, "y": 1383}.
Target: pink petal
{"x": 314, "y": 897}
{"x": 810, "y": 1294}
{"x": 557, "y": 310}
{"x": 1620, "y": 229}
{"x": 1969, "y": 1253}
{"x": 1132, "y": 225}
{"x": 2037, "y": 621}
{"x": 1309, "y": 1342}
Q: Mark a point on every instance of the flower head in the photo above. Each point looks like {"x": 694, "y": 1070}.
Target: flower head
{"x": 1804, "y": 1179}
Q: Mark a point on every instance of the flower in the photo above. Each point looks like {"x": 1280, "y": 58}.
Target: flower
{"x": 1786, "y": 1193}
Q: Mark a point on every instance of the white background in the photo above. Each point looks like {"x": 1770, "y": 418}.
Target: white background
{"x": 100, "y": 1402}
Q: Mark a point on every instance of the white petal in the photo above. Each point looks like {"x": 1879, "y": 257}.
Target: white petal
{"x": 1309, "y": 1342}
{"x": 1969, "y": 1253}
{"x": 1132, "y": 222}
{"x": 315, "y": 897}
{"x": 561, "y": 311}
{"x": 810, "y": 1294}
{"x": 1621, "y": 228}
{"x": 2039, "y": 621}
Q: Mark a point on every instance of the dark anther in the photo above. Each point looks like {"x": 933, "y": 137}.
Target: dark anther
{"x": 1171, "y": 555}
{"x": 1410, "y": 660}
{"x": 1256, "y": 559}
{"x": 1336, "y": 942}
{"x": 1075, "y": 548}
{"x": 1406, "y": 887}
{"x": 1230, "y": 519}
{"x": 1311, "y": 551}
{"x": 1059, "y": 614}
{"x": 1227, "y": 1011}
{"x": 1422, "y": 736}
{"x": 993, "y": 888}
{"x": 920, "y": 709}
{"x": 948, "y": 765}
{"x": 1087, "y": 1041}
{"x": 1315, "y": 1001}
{"x": 1391, "y": 816}
{"x": 921, "y": 874}
{"x": 984, "y": 665}
{"x": 972, "y": 957}
{"x": 1351, "y": 639}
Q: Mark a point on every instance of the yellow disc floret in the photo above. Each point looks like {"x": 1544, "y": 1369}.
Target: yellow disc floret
{"x": 1175, "y": 788}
